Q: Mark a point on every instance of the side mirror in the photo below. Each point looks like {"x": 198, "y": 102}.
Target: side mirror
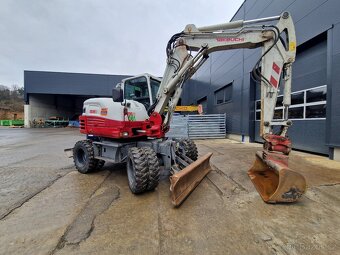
{"x": 117, "y": 95}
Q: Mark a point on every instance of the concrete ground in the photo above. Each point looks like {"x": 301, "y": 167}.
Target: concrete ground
{"x": 47, "y": 207}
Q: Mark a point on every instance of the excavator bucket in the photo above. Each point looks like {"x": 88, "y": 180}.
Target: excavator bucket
{"x": 275, "y": 182}
{"x": 185, "y": 181}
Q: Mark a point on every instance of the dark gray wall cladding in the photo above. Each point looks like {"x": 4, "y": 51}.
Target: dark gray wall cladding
{"x": 70, "y": 83}
{"x": 312, "y": 68}
{"x": 334, "y": 124}
{"x": 305, "y": 135}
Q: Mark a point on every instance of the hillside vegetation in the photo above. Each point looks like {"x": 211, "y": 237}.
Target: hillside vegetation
{"x": 12, "y": 100}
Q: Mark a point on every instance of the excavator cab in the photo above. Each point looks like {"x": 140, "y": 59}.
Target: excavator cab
{"x": 142, "y": 88}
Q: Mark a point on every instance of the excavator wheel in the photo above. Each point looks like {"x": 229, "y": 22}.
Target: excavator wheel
{"x": 189, "y": 147}
{"x": 100, "y": 164}
{"x": 83, "y": 156}
{"x": 153, "y": 166}
{"x": 137, "y": 170}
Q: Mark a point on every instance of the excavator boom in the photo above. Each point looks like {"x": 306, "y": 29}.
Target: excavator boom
{"x": 270, "y": 174}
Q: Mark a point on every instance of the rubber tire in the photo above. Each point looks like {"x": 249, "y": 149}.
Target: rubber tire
{"x": 100, "y": 164}
{"x": 83, "y": 156}
{"x": 137, "y": 170}
{"x": 190, "y": 148}
{"x": 153, "y": 166}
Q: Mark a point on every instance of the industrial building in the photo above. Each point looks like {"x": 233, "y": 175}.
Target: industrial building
{"x": 224, "y": 83}
{"x": 63, "y": 94}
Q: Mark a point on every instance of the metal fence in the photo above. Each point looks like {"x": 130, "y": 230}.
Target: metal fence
{"x": 179, "y": 127}
{"x": 198, "y": 126}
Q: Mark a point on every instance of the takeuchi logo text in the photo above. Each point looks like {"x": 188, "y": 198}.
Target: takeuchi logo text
{"x": 229, "y": 39}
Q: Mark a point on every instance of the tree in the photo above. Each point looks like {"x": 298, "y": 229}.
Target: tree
{"x": 12, "y": 98}
{"x": 4, "y": 95}
{"x": 21, "y": 91}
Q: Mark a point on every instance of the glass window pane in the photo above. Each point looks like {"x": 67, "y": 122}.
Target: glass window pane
{"x": 278, "y": 114}
{"x": 219, "y": 96}
{"x": 279, "y": 101}
{"x": 316, "y": 111}
{"x": 228, "y": 93}
{"x": 295, "y": 113}
{"x": 258, "y": 105}
{"x": 316, "y": 95}
{"x": 298, "y": 98}
{"x": 258, "y": 115}
{"x": 154, "y": 88}
{"x": 137, "y": 89}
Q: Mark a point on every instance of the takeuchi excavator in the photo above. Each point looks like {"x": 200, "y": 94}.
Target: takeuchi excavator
{"x": 130, "y": 127}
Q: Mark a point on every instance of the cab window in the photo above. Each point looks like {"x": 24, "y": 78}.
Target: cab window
{"x": 154, "y": 88}
{"x": 137, "y": 89}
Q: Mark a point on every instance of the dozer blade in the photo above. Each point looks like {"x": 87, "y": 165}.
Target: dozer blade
{"x": 185, "y": 181}
{"x": 275, "y": 182}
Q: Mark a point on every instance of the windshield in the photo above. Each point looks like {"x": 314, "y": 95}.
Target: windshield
{"x": 137, "y": 89}
{"x": 154, "y": 88}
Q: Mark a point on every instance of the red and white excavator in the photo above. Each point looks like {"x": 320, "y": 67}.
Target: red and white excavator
{"x": 131, "y": 126}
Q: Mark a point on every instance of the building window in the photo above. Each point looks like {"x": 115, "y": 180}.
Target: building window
{"x": 278, "y": 112}
{"x": 306, "y": 104}
{"x": 296, "y": 112}
{"x": 258, "y": 110}
{"x": 279, "y": 102}
{"x": 316, "y": 111}
{"x": 258, "y": 115}
{"x": 224, "y": 95}
{"x": 316, "y": 95}
{"x": 297, "y": 98}
{"x": 219, "y": 96}
{"x": 297, "y": 107}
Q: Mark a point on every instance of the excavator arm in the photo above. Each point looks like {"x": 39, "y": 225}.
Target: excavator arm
{"x": 188, "y": 50}
{"x": 277, "y": 56}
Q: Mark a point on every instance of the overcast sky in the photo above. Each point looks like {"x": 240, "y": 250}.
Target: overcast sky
{"x": 96, "y": 36}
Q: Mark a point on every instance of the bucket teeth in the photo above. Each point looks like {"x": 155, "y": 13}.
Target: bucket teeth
{"x": 275, "y": 181}
{"x": 185, "y": 181}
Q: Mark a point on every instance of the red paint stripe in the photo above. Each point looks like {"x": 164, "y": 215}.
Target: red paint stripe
{"x": 273, "y": 81}
{"x": 101, "y": 126}
{"x": 276, "y": 68}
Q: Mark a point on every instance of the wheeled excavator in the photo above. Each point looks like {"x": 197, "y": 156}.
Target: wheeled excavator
{"x": 130, "y": 127}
